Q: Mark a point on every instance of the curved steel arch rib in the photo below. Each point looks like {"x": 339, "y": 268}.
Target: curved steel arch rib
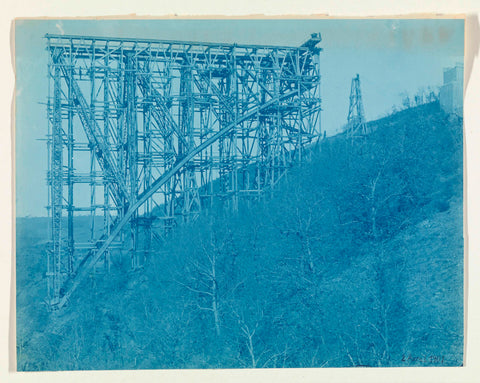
{"x": 102, "y": 244}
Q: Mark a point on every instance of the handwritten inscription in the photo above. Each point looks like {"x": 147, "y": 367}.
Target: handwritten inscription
{"x": 431, "y": 359}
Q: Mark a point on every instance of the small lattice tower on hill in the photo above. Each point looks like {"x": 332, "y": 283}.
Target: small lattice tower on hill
{"x": 356, "y": 126}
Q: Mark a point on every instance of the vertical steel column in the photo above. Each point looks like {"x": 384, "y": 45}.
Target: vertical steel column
{"x": 168, "y": 155}
{"x": 147, "y": 133}
{"x": 56, "y": 181}
{"x": 242, "y": 100}
{"x": 275, "y": 136}
{"x": 70, "y": 169}
{"x": 317, "y": 92}
{"x": 49, "y": 251}
{"x": 191, "y": 202}
{"x": 316, "y": 129}
{"x": 146, "y": 221}
{"x": 106, "y": 137}
{"x": 206, "y": 119}
{"x": 299, "y": 115}
{"x": 121, "y": 129}
{"x": 92, "y": 149}
{"x": 233, "y": 96}
{"x": 262, "y": 132}
{"x": 132, "y": 148}
{"x": 223, "y": 141}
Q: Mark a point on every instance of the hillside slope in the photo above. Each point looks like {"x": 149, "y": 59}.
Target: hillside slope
{"x": 355, "y": 260}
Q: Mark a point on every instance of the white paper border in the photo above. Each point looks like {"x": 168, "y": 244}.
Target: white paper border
{"x": 143, "y": 8}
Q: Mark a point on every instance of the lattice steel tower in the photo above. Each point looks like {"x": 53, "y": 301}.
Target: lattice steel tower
{"x": 356, "y": 126}
{"x": 147, "y": 133}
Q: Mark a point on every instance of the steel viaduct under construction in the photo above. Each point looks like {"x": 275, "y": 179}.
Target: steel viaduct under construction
{"x": 147, "y": 133}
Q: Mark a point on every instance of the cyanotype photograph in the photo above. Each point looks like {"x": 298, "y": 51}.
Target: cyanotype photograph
{"x": 239, "y": 193}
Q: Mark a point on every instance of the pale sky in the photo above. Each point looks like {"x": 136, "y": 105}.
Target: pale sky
{"x": 393, "y": 57}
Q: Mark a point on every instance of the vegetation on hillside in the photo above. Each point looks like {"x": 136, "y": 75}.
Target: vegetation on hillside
{"x": 356, "y": 259}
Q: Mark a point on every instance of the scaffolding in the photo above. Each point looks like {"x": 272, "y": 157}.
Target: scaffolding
{"x": 144, "y": 134}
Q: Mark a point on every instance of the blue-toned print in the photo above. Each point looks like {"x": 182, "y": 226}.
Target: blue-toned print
{"x": 239, "y": 194}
